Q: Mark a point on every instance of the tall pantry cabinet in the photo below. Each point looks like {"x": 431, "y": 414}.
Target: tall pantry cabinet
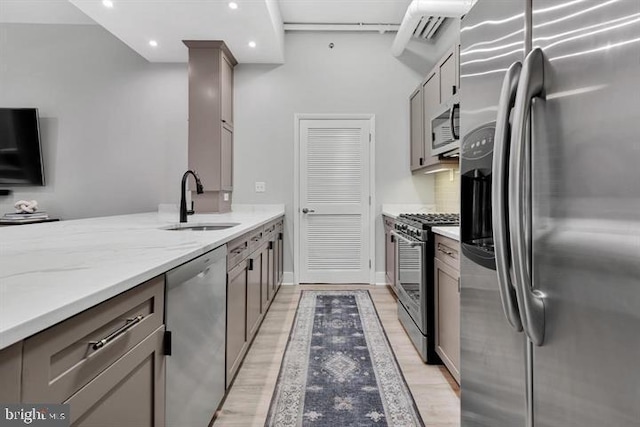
{"x": 211, "y": 66}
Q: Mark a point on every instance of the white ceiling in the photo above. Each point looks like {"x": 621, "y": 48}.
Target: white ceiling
{"x": 41, "y": 12}
{"x": 343, "y": 11}
{"x": 168, "y": 22}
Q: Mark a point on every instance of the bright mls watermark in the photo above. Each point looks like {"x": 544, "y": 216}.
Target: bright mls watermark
{"x": 34, "y": 415}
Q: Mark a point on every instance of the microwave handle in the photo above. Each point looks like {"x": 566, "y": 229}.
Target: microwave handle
{"x": 452, "y": 116}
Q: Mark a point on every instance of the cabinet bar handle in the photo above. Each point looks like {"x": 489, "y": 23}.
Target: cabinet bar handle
{"x": 250, "y": 267}
{"x": 444, "y": 251}
{"x": 115, "y": 334}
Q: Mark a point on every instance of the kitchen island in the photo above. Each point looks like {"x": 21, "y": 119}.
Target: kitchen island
{"x": 50, "y": 272}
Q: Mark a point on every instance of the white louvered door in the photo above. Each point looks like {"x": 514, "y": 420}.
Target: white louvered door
{"x": 334, "y": 188}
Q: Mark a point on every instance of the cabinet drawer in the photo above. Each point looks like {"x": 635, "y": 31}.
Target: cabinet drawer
{"x": 388, "y": 223}
{"x": 448, "y": 251}
{"x": 256, "y": 239}
{"x": 238, "y": 251}
{"x": 270, "y": 231}
{"x": 131, "y": 392}
{"x": 62, "y": 359}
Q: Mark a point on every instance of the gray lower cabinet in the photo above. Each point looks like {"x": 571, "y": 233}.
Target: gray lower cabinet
{"x": 390, "y": 253}
{"x": 254, "y": 263}
{"x": 280, "y": 246}
{"x": 236, "y": 318}
{"x": 131, "y": 392}
{"x": 11, "y": 373}
{"x": 254, "y": 289}
{"x": 266, "y": 277}
{"x": 447, "y": 295}
{"x": 107, "y": 362}
{"x": 64, "y": 358}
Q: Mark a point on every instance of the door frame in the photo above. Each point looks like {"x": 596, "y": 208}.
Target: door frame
{"x": 296, "y": 187}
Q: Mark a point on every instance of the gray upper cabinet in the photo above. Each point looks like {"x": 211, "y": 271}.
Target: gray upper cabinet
{"x": 226, "y": 87}
{"x": 417, "y": 142}
{"x": 226, "y": 164}
{"x": 437, "y": 89}
{"x": 210, "y": 149}
{"x": 430, "y": 102}
{"x": 448, "y": 75}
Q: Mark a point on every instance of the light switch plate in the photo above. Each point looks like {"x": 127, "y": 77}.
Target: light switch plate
{"x": 226, "y": 197}
{"x": 261, "y": 187}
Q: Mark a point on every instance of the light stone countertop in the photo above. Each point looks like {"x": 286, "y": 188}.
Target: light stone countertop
{"x": 394, "y": 210}
{"x": 52, "y": 271}
{"x": 450, "y": 232}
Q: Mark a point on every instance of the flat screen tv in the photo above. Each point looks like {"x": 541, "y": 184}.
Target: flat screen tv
{"x": 20, "y": 152}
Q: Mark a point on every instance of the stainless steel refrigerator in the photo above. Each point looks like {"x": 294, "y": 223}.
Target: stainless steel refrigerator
{"x": 550, "y": 215}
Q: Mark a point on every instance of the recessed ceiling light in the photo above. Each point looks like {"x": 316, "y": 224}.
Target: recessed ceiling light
{"x": 107, "y": 3}
{"x": 252, "y": 44}
{"x": 233, "y": 5}
{"x": 153, "y": 43}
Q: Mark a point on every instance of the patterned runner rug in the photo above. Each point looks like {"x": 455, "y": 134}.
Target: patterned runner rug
{"x": 339, "y": 369}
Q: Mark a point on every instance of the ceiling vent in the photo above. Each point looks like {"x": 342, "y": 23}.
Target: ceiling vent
{"x": 428, "y": 27}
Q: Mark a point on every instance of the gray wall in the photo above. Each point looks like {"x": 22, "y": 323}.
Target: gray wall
{"x": 114, "y": 127}
{"x": 359, "y": 75}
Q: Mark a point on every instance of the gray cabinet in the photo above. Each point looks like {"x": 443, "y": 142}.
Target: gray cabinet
{"x": 236, "y": 318}
{"x": 254, "y": 266}
{"x": 447, "y": 295}
{"x": 64, "y": 358}
{"x": 130, "y": 392}
{"x": 210, "y": 148}
{"x": 416, "y": 130}
{"x": 226, "y": 163}
{"x": 107, "y": 362}
{"x": 390, "y": 253}
{"x": 448, "y": 75}
{"x": 11, "y": 373}
{"x": 226, "y": 88}
{"x": 431, "y": 102}
{"x": 254, "y": 289}
{"x": 440, "y": 84}
{"x": 280, "y": 253}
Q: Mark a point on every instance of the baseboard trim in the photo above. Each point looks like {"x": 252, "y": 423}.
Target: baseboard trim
{"x": 287, "y": 278}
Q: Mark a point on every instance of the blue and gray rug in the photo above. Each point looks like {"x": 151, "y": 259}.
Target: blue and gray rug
{"x": 339, "y": 369}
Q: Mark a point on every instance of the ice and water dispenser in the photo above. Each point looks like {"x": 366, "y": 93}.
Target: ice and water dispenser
{"x": 476, "y": 229}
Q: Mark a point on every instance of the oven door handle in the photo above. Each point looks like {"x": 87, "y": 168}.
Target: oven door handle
{"x": 411, "y": 243}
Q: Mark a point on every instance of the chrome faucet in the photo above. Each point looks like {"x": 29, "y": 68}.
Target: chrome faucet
{"x": 183, "y": 200}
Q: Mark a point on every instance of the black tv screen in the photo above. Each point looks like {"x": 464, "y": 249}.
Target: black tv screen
{"x": 20, "y": 154}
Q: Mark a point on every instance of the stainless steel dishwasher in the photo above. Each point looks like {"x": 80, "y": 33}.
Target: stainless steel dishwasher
{"x": 196, "y": 318}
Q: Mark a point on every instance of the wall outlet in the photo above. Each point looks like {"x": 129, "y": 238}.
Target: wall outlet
{"x": 261, "y": 187}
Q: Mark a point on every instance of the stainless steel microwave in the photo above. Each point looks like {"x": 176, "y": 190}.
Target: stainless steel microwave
{"x": 445, "y": 129}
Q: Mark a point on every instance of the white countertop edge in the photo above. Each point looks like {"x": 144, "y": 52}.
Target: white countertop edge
{"x": 450, "y": 232}
{"x": 44, "y": 320}
{"x": 394, "y": 210}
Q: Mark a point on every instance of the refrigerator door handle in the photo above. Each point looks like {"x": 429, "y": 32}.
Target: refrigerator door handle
{"x": 530, "y": 302}
{"x": 499, "y": 209}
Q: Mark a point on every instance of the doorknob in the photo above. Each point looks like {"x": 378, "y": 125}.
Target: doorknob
{"x": 305, "y": 210}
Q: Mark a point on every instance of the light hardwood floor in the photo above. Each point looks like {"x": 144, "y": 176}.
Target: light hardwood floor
{"x": 434, "y": 390}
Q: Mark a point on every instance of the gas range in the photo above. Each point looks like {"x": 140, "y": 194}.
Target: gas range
{"x": 418, "y": 225}
{"x": 415, "y": 277}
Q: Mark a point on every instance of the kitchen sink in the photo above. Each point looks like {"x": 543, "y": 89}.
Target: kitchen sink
{"x": 201, "y": 226}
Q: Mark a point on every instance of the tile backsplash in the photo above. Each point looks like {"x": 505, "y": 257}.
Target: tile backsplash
{"x": 448, "y": 191}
